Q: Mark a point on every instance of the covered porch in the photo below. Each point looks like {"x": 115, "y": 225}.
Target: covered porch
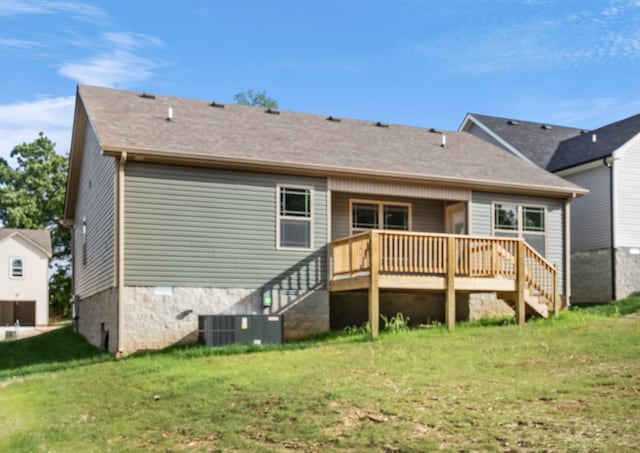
{"x": 446, "y": 263}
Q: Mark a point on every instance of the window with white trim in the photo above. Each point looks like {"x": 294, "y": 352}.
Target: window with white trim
{"x": 384, "y": 215}
{"x": 525, "y": 221}
{"x": 294, "y": 217}
{"x": 16, "y": 267}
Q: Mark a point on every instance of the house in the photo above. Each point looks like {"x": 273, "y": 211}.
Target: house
{"x": 24, "y": 283}
{"x": 532, "y": 142}
{"x": 605, "y": 226}
{"x": 183, "y": 207}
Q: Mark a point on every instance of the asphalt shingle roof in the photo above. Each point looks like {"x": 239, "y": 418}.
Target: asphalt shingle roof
{"x": 42, "y": 238}
{"x": 537, "y": 141}
{"x": 125, "y": 121}
{"x": 582, "y": 149}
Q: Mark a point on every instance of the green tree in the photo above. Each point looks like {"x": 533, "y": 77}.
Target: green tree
{"x": 32, "y": 196}
{"x": 255, "y": 99}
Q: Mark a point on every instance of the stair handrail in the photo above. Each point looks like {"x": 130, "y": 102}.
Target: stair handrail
{"x": 549, "y": 270}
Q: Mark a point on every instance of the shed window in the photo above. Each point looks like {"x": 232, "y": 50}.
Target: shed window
{"x": 294, "y": 217}
{"x": 16, "y": 267}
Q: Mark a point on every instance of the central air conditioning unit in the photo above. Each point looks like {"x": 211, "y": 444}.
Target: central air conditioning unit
{"x": 221, "y": 330}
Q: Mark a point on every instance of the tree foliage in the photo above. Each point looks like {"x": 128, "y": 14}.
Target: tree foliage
{"x": 32, "y": 196}
{"x": 255, "y": 99}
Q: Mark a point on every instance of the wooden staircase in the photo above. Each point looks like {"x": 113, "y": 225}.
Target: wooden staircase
{"x": 541, "y": 284}
{"x": 535, "y": 305}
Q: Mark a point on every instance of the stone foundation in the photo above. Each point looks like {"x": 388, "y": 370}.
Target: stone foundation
{"x": 591, "y": 276}
{"x": 308, "y": 316}
{"x": 487, "y": 305}
{"x": 159, "y": 317}
{"x": 627, "y": 271}
{"x": 97, "y": 319}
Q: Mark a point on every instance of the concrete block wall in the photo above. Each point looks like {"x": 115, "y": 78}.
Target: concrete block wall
{"x": 307, "y": 316}
{"x": 156, "y": 318}
{"x": 627, "y": 271}
{"x": 98, "y": 319}
{"x": 591, "y": 276}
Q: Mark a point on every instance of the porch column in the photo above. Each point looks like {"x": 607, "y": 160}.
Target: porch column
{"x": 374, "y": 293}
{"x": 520, "y": 281}
{"x": 450, "y": 303}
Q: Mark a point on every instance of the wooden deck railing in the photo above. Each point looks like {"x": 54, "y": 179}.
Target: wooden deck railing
{"x": 541, "y": 276}
{"x": 351, "y": 255}
{"x": 424, "y": 254}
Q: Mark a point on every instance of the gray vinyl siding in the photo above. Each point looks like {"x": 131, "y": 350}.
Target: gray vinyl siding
{"x": 627, "y": 199}
{"x": 97, "y": 202}
{"x": 198, "y": 227}
{"x": 591, "y": 214}
{"x": 482, "y": 218}
{"x": 427, "y": 215}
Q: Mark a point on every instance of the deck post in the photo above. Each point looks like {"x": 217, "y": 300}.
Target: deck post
{"x": 450, "y": 303}
{"x": 374, "y": 293}
{"x": 556, "y": 295}
{"x": 520, "y": 281}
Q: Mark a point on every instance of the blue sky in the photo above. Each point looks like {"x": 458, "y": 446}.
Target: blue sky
{"x": 422, "y": 63}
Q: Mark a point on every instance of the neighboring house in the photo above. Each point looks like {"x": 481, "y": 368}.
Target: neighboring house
{"x": 533, "y": 142}
{"x": 24, "y": 283}
{"x": 182, "y": 208}
{"x": 605, "y": 224}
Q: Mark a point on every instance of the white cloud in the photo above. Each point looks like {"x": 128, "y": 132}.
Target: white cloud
{"x": 547, "y": 41}
{"x": 21, "y": 122}
{"x": 19, "y": 43}
{"x": 78, "y": 10}
{"x": 117, "y": 66}
{"x": 132, "y": 40}
{"x": 118, "y": 69}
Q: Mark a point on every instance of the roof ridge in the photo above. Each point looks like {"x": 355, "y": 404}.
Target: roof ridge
{"x": 256, "y": 108}
{"x": 526, "y": 121}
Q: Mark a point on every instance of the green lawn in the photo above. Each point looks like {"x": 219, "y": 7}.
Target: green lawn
{"x": 565, "y": 384}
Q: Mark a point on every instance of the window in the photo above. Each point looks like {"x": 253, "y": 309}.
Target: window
{"x": 533, "y": 219}
{"x": 84, "y": 241}
{"x": 528, "y": 222}
{"x": 370, "y": 215}
{"x": 294, "y": 217}
{"x": 16, "y": 267}
{"x": 506, "y": 217}
{"x": 511, "y": 217}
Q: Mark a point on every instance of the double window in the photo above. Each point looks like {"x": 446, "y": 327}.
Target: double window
{"x": 511, "y": 217}
{"x": 528, "y": 222}
{"x": 16, "y": 267}
{"x": 371, "y": 215}
{"x": 294, "y": 222}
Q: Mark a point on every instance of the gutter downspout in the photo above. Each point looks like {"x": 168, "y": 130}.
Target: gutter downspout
{"x": 567, "y": 252}
{"x": 608, "y": 162}
{"x": 120, "y": 262}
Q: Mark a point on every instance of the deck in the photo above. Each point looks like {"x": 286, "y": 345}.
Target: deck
{"x": 378, "y": 259}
